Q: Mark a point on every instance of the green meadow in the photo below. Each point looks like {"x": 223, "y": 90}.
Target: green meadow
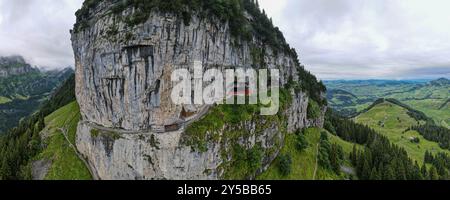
{"x": 65, "y": 163}
{"x": 392, "y": 121}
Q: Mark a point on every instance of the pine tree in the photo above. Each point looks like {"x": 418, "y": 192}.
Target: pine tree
{"x": 353, "y": 155}
{"x": 335, "y": 159}
{"x": 428, "y": 157}
{"x": 401, "y": 171}
{"x": 417, "y": 173}
{"x": 5, "y": 169}
{"x": 433, "y": 174}
{"x": 329, "y": 155}
{"x": 374, "y": 174}
{"x": 423, "y": 171}
{"x": 389, "y": 173}
{"x": 41, "y": 123}
{"x": 301, "y": 143}
{"x": 365, "y": 174}
{"x": 285, "y": 162}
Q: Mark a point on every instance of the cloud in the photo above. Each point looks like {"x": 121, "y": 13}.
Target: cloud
{"x": 38, "y": 30}
{"x": 335, "y": 39}
{"x": 367, "y": 39}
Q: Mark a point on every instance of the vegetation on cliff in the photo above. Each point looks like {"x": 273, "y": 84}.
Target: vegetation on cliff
{"x": 227, "y": 123}
{"x": 231, "y": 11}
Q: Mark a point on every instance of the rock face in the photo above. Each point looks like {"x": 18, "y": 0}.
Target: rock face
{"x": 297, "y": 113}
{"x": 126, "y": 84}
{"x": 139, "y": 156}
{"x": 40, "y": 169}
{"x": 116, "y": 155}
{"x": 131, "y": 130}
{"x": 14, "y": 65}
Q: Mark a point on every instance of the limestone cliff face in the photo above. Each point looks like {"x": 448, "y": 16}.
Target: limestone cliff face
{"x": 115, "y": 155}
{"x": 297, "y": 113}
{"x": 131, "y": 130}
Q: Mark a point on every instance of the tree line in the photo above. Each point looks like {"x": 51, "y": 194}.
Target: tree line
{"x": 331, "y": 156}
{"x": 380, "y": 159}
{"x": 440, "y": 164}
{"x": 434, "y": 133}
{"x": 20, "y": 144}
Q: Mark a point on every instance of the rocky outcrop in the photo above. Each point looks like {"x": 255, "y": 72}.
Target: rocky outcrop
{"x": 117, "y": 155}
{"x": 40, "y": 169}
{"x": 297, "y": 113}
{"x": 14, "y": 65}
{"x": 126, "y": 84}
{"x": 130, "y": 128}
{"x": 137, "y": 156}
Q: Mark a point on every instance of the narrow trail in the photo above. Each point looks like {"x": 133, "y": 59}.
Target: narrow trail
{"x": 94, "y": 175}
{"x": 317, "y": 161}
{"x": 203, "y": 112}
{"x": 199, "y": 116}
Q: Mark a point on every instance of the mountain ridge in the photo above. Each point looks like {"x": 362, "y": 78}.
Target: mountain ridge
{"x": 14, "y": 65}
{"x": 23, "y": 88}
{"x": 440, "y": 82}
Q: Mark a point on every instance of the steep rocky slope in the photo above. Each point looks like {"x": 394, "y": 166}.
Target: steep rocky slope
{"x": 14, "y": 65}
{"x": 130, "y": 129}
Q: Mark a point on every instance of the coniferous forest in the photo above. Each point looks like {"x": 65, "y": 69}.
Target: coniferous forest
{"x": 435, "y": 133}
{"x": 23, "y": 142}
{"x": 380, "y": 159}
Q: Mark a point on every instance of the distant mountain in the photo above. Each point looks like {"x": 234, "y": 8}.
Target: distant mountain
{"x": 376, "y": 82}
{"x": 441, "y": 82}
{"x": 23, "y": 88}
{"x": 14, "y": 65}
{"x": 338, "y": 98}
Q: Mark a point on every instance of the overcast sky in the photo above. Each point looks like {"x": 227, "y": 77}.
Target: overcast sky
{"x": 336, "y": 39}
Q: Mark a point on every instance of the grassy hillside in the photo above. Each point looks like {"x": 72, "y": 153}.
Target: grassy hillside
{"x": 434, "y": 108}
{"x": 4, "y": 100}
{"x": 346, "y": 101}
{"x": 304, "y": 163}
{"x": 429, "y": 98}
{"x": 21, "y": 145}
{"x": 392, "y": 121}
{"x": 346, "y": 146}
{"x": 60, "y": 134}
